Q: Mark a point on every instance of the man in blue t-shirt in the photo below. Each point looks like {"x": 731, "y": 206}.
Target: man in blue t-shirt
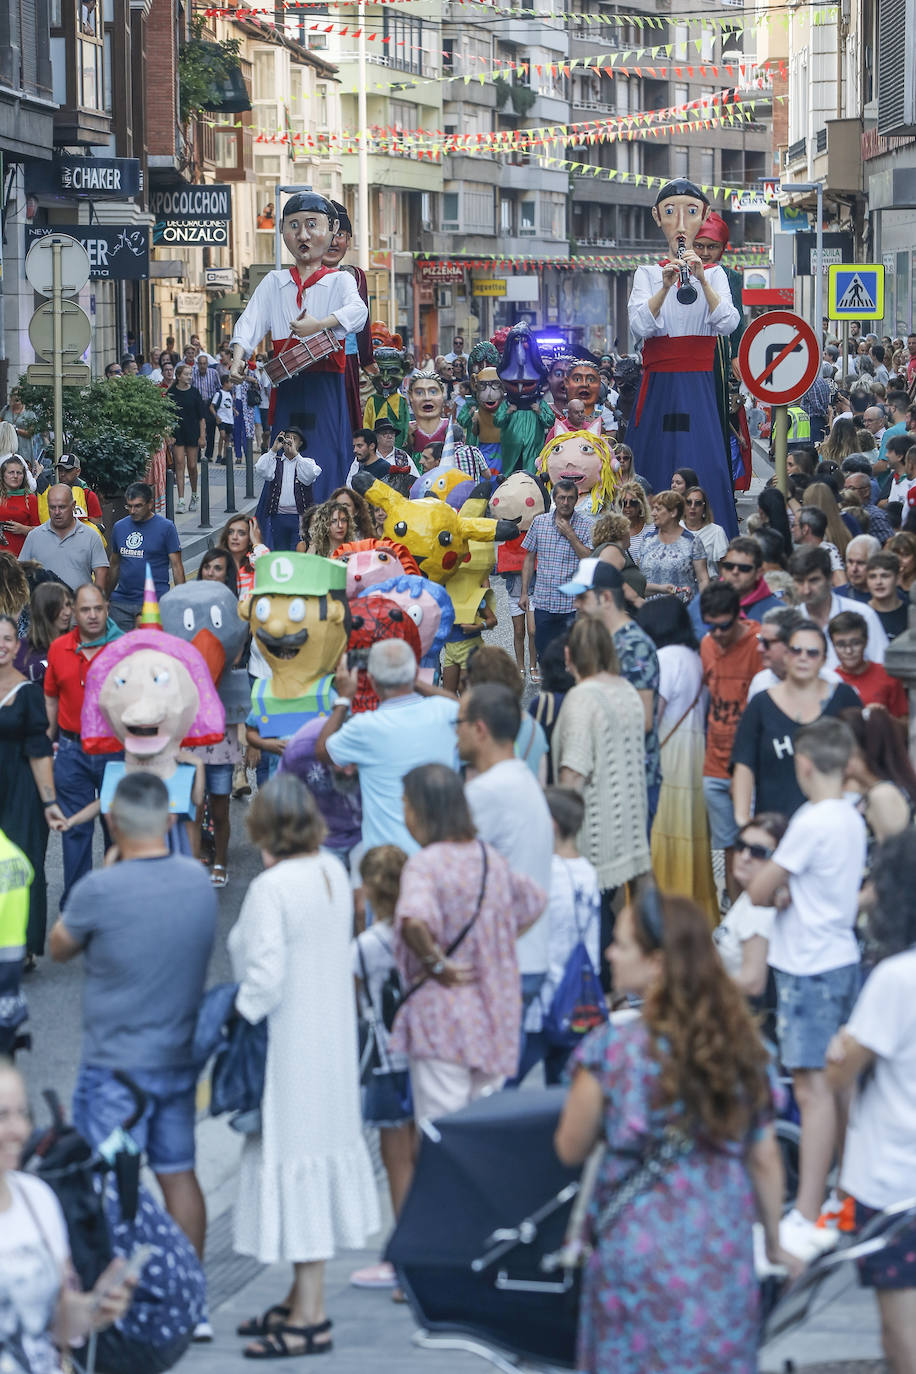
{"x": 141, "y": 537}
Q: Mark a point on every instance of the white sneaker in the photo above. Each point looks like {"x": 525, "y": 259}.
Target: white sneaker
{"x": 192, "y": 504}
{"x": 203, "y": 1332}
{"x": 802, "y": 1238}
{"x": 375, "y": 1276}
{"x": 180, "y": 507}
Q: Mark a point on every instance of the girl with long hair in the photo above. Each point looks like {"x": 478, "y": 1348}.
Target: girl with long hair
{"x": 683, "y": 1082}
{"x": 18, "y": 503}
{"x": 820, "y": 495}
{"x": 771, "y": 507}
{"x": 881, "y": 772}
{"x": 51, "y": 611}
{"x": 841, "y": 442}
{"x": 329, "y": 528}
{"x": 707, "y": 535}
{"x": 241, "y": 537}
{"x": 362, "y": 523}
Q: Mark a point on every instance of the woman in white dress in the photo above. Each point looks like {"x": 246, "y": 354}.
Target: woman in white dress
{"x": 306, "y": 1185}
{"x": 681, "y": 857}
{"x": 707, "y": 535}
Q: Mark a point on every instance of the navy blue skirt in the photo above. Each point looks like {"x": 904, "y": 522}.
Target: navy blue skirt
{"x": 316, "y": 403}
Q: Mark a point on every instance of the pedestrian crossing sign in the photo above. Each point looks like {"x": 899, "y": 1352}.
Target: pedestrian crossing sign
{"x": 855, "y": 291}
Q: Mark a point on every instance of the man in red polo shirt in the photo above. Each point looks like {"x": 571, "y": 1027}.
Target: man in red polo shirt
{"x": 77, "y": 775}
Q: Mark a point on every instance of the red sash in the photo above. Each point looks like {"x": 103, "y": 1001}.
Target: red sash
{"x": 688, "y": 353}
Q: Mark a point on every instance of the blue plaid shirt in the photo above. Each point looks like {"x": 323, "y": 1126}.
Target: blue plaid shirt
{"x": 207, "y": 383}
{"x": 557, "y": 559}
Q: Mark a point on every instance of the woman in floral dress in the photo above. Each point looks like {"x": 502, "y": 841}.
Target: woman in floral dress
{"x": 670, "y": 1285}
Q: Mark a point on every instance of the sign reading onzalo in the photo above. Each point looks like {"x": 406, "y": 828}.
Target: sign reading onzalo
{"x": 192, "y": 216}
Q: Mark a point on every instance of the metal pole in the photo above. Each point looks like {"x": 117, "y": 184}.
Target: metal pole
{"x": 278, "y": 240}
{"x": 819, "y": 275}
{"x": 231, "y": 507}
{"x": 845, "y": 368}
{"x": 249, "y": 468}
{"x": 780, "y": 442}
{"x": 205, "y": 493}
{"x": 362, "y": 118}
{"x": 169, "y": 494}
{"x": 57, "y": 350}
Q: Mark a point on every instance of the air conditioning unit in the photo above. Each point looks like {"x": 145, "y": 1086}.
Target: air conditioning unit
{"x": 897, "y": 67}
{"x": 444, "y": 297}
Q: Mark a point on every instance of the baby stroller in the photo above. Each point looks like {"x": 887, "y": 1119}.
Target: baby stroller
{"x": 109, "y": 1213}
{"x": 479, "y": 1246}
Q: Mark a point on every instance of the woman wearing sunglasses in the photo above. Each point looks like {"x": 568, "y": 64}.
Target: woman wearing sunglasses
{"x": 743, "y": 936}
{"x": 763, "y": 758}
{"x": 670, "y": 1283}
{"x": 632, "y": 502}
{"x": 707, "y": 535}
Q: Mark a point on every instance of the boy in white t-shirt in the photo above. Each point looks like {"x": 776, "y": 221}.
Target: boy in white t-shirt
{"x": 875, "y": 1052}
{"x": 813, "y": 879}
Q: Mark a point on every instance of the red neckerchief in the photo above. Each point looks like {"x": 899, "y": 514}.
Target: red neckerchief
{"x": 309, "y": 281}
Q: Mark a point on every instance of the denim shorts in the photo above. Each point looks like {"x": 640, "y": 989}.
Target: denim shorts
{"x": 219, "y": 778}
{"x": 165, "y": 1131}
{"x": 723, "y": 829}
{"x": 810, "y": 1008}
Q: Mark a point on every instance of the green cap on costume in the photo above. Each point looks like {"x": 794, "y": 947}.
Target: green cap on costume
{"x": 298, "y": 574}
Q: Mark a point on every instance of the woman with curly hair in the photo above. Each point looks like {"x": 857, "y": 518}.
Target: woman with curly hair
{"x": 362, "y": 522}
{"x": 611, "y": 535}
{"x": 670, "y": 1284}
{"x": 329, "y": 527}
{"x": 631, "y": 501}
{"x": 14, "y": 592}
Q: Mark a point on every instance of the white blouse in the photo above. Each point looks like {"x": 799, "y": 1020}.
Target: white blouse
{"x": 274, "y": 306}
{"x": 674, "y": 319}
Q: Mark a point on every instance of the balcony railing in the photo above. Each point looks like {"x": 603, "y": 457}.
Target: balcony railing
{"x": 796, "y": 151}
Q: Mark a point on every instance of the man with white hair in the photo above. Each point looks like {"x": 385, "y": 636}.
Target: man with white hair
{"x": 858, "y": 552}
{"x": 874, "y": 419}
{"x": 413, "y": 725}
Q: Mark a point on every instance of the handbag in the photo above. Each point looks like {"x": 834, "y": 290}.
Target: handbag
{"x": 387, "y": 1097}
{"x": 578, "y": 1004}
{"x": 252, "y": 395}
{"x": 238, "y": 1072}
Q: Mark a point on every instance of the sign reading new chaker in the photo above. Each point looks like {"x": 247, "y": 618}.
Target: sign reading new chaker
{"x": 192, "y": 216}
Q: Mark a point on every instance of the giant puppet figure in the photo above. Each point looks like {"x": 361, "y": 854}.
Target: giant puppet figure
{"x": 309, "y": 310}
{"x": 677, "y": 310}
{"x": 358, "y": 344}
{"x": 710, "y": 243}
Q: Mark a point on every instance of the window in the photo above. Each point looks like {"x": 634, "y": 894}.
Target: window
{"x": 505, "y": 215}
{"x": 264, "y": 76}
{"x": 679, "y": 162}
{"x": 681, "y": 95}
{"x": 707, "y": 43}
{"x": 478, "y": 208}
{"x": 680, "y": 42}
{"x": 707, "y": 166}
{"x": 450, "y": 210}
{"x": 526, "y": 216}
{"x": 477, "y": 53}
{"x": 405, "y": 48}
{"x": 448, "y": 54}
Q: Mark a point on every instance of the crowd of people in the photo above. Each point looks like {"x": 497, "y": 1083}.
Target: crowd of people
{"x": 687, "y": 705}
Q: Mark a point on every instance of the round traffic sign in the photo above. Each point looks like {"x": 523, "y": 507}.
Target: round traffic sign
{"x": 76, "y": 330}
{"x": 779, "y": 357}
{"x": 74, "y": 265}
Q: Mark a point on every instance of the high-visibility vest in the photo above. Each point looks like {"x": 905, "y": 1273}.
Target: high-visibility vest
{"x": 79, "y": 497}
{"x": 799, "y": 424}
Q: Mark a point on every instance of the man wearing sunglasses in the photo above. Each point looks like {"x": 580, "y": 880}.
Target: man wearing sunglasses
{"x": 741, "y": 568}
{"x": 730, "y": 660}
{"x": 811, "y": 573}
{"x": 776, "y": 629}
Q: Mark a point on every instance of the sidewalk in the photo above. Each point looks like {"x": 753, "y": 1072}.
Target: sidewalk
{"x": 196, "y": 539}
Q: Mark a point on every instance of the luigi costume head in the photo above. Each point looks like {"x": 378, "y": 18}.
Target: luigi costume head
{"x": 300, "y": 621}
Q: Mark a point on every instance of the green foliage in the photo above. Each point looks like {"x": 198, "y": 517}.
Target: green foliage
{"x": 203, "y": 66}
{"x": 113, "y": 427}
{"x": 523, "y": 97}
{"x": 502, "y": 91}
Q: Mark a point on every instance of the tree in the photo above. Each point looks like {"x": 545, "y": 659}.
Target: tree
{"x": 203, "y": 66}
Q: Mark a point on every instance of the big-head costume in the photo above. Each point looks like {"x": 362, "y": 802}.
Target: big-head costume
{"x": 676, "y": 420}
{"x": 313, "y": 401}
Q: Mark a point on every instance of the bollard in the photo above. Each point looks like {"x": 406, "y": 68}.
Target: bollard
{"x": 231, "y": 507}
{"x": 204, "y": 494}
{"x": 249, "y": 468}
{"x": 169, "y": 494}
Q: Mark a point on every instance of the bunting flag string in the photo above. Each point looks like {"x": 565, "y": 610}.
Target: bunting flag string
{"x": 748, "y": 256}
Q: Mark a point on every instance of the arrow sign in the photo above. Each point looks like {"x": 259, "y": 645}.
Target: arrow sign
{"x": 779, "y": 357}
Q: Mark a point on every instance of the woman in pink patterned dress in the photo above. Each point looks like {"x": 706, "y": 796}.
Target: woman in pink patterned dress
{"x": 460, "y": 1030}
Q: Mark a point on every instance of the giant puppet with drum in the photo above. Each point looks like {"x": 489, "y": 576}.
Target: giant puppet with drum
{"x": 677, "y": 311}
{"x": 308, "y": 310}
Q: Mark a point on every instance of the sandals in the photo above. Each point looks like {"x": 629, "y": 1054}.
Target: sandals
{"x": 274, "y": 1345}
{"x": 260, "y": 1326}
{"x": 219, "y": 876}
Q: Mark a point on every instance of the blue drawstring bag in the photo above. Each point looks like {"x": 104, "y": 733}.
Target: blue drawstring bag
{"x": 578, "y": 1004}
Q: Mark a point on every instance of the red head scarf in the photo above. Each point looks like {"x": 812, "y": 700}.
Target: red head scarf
{"x": 714, "y": 227}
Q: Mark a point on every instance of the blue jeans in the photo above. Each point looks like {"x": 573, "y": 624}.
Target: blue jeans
{"x": 165, "y": 1131}
{"x": 550, "y": 625}
{"x": 285, "y": 530}
{"x": 78, "y": 781}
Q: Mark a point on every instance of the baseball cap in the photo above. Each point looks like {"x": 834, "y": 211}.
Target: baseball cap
{"x": 68, "y": 460}
{"x": 592, "y": 575}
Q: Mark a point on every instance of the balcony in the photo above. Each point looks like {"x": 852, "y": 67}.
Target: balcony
{"x": 838, "y": 156}
{"x": 394, "y": 173}
{"x": 796, "y": 152}
{"x": 534, "y": 33}
{"x": 516, "y": 176}
{"x": 591, "y": 190}
{"x": 26, "y": 102}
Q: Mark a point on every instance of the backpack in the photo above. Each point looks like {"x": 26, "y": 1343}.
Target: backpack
{"x": 578, "y": 1004}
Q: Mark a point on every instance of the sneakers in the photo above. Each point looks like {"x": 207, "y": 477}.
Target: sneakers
{"x": 192, "y": 504}
{"x": 803, "y": 1238}
{"x": 839, "y": 1214}
{"x": 375, "y": 1276}
{"x": 203, "y": 1332}
{"x": 180, "y": 506}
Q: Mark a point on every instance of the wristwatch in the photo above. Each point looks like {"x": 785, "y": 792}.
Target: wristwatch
{"x": 437, "y": 968}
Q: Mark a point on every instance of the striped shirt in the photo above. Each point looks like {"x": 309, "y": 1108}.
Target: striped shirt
{"x": 207, "y": 383}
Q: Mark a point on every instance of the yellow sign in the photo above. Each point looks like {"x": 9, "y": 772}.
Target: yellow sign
{"x": 492, "y": 286}
{"x": 855, "y": 291}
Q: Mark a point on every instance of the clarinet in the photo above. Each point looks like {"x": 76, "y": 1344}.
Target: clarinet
{"x": 686, "y": 291}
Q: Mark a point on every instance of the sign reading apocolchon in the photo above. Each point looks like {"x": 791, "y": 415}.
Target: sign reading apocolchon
{"x": 192, "y": 216}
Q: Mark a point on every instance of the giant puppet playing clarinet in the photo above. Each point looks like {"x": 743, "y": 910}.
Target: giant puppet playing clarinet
{"x": 308, "y": 309}
{"x": 676, "y": 311}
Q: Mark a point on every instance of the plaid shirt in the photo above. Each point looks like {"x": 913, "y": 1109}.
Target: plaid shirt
{"x": 207, "y": 383}
{"x": 816, "y": 400}
{"x": 557, "y": 560}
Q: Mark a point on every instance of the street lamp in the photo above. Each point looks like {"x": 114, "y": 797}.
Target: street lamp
{"x": 818, "y": 188}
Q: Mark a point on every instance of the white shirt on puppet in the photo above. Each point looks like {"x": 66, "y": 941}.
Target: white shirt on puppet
{"x": 674, "y": 319}
{"x": 274, "y": 306}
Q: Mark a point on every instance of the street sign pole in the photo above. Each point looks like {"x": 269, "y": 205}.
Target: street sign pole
{"x": 844, "y": 371}
{"x": 57, "y": 352}
{"x": 780, "y": 446}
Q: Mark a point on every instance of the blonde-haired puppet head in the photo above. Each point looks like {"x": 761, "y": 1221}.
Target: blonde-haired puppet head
{"x": 584, "y": 458}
